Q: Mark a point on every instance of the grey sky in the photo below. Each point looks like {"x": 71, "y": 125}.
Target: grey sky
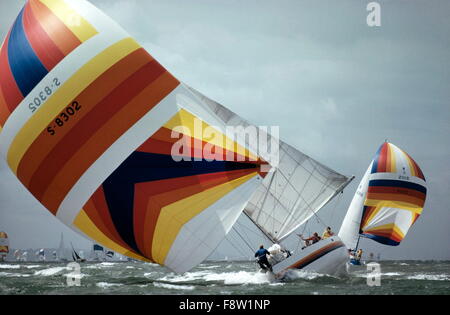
{"x": 336, "y": 87}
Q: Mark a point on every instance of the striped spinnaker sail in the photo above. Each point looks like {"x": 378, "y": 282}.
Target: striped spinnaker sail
{"x": 395, "y": 196}
{"x": 88, "y": 123}
{"x": 4, "y": 244}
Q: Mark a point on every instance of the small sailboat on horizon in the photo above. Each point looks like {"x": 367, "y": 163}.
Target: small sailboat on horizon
{"x": 75, "y": 256}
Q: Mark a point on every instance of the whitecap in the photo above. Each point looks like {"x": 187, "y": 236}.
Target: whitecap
{"x": 275, "y": 284}
{"x": 2, "y": 266}
{"x": 105, "y": 285}
{"x": 229, "y": 278}
{"x": 293, "y": 274}
{"x": 173, "y": 286}
{"x": 7, "y": 274}
{"x": 209, "y": 267}
{"x": 188, "y": 276}
{"x": 240, "y": 277}
{"x": 442, "y": 277}
{"x": 49, "y": 271}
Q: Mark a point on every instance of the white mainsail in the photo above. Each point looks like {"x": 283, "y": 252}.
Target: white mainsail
{"x": 349, "y": 232}
{"x": 293, "y": 192}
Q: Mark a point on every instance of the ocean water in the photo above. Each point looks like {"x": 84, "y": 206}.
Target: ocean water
{"x": 218, "y": 278}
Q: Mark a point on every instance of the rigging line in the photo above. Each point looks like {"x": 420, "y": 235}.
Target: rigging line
{"x": 267, "y": 191}
{"x": 333, "y": 211}
{"x": 245, "y": 241}
{"x": 243, "y": 231}
{"x": 303, "y": 232}
{"x": 238, "y": 249}
{"x": 243, "y": 226}
{"x": 315, "y": 163}
{"x": 296, "y": 203}
{"x": 299, "y": 193}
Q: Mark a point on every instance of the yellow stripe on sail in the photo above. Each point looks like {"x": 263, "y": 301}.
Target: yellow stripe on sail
{"x": 387, "y": 228}
{"x": 412, "y": 170}
{"x": 64, "y": 95}
{"x": 74, "y": 21}
{"x": 391, "y": 204}
{"x": 393, "y": 160}
{"x": 175, "y": 215}
{"x": 85, "y": 224}
{"x": 187, "y": 120}
{"x": 372, "y": 215}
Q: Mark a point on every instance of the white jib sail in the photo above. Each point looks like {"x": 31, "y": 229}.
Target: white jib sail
{"x": 349, "y": 232}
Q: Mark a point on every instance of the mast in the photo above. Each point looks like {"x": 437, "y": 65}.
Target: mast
{"x": 357, "y": 243}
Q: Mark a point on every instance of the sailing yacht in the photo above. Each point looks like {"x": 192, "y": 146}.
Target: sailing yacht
{"x": 290, "y": 194}
{"x": 388, "y": 201}
{"x": 75, "y": 256}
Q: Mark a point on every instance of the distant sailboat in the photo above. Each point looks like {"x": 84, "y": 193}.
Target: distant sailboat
{"x": 109, "y": 254}
{"x": 41, "y": 255}
{"x": 17, "y": 254}
{"x": 98, "y": 252}
{"x": 4, "y": 246}
{"x": 75, "y": 256}
{"x": 389, "y": 199}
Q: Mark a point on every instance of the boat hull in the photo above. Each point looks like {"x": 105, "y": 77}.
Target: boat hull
{"x": 327, "y": 256}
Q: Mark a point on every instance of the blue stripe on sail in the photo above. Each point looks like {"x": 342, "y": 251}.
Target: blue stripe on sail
{"x": 26, "y": 67}
{"x": 142, "y": 167}
{"x": 375, "y": 161}
{"x": 397, "y": 183}
{"x": 381, "y": 239}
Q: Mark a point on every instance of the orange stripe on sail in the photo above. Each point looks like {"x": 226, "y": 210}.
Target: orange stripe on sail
{"x": 99, "y": 142}
{"x": 397, "y": 197}
{"x": 55, "y": 28}
{"x": 382, "y": 158}
{"x": 97, "y": 210}
{"x": 417, "y": 170}
{"x": 151, "y": 197}
{"x": 4, "y": 111}
{"x": 45, "y": 143}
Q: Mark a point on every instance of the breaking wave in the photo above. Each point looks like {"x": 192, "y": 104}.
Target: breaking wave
{"x": 227, "y": 278}
{"x": 105, "y": 285}
{"x": 4, "y": 266}
{"x": 173, "y": 286}
{"x": 49, "y": 271}
{"x": 442, "y": 277}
